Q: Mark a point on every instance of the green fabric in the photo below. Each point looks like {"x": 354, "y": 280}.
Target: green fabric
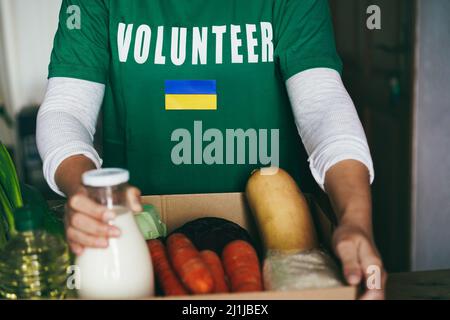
{"x": 136, "y": 127}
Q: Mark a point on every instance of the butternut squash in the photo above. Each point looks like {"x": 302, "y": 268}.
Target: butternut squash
{"x": 281, "y": 211}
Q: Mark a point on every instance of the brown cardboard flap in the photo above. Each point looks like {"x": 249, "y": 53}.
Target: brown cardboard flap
{"x": 340, "y": 293}
{"x": 177, "y": 210}
{"x": 324, "y": 226}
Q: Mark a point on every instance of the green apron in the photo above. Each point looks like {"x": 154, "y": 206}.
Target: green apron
{"x": 195, "y": 90}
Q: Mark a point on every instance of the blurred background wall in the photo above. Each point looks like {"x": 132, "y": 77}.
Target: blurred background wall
{"x": 431, "y": 152}
{"x": 27, "y": 28}
{"x": 397, "y": 76}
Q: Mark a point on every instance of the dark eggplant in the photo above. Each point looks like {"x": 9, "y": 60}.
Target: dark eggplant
{"x": 214, "y": 234}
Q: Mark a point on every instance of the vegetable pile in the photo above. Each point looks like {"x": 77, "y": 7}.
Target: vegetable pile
{"x": 214, "y": 255}
{"x": 183, "y": 268}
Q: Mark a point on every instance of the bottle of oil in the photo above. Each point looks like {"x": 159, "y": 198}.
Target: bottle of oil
{"x": 33, "y": 264}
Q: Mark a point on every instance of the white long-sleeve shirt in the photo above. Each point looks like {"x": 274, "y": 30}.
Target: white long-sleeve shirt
{"x": 323, "y": 110}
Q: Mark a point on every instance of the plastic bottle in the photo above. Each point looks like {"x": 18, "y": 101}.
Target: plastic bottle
{"x": 33, "y": 264}
{"x": 124, "y": 269}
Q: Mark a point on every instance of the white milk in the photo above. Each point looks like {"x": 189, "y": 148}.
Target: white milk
{"x": 123, "y": 270}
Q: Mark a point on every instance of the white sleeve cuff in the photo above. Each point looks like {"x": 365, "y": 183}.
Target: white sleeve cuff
{"x": 340, "y": 149}
{"x": 53, "y": 160}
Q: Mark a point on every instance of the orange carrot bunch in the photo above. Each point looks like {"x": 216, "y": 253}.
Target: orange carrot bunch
{"x": 214, "y": 264}
{"x": 188, "y": 264}
{"x": 242, "y": 267}
{"x": 182, "y": 269}
{"x": 165, "y": 275}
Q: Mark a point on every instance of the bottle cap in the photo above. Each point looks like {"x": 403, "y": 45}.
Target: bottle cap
{"x": 28, "y": 218}
{"x": 105, "y": 177}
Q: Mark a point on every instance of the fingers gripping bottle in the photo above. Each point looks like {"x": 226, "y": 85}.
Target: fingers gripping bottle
{"x": 124, "y": 269}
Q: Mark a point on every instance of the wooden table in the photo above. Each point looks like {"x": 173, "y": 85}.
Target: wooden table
{"x": 426, "y": 285}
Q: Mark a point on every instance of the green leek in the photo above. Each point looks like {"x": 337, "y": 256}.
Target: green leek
{"x": 3, "y": 232}
{"x": 8, "y": 178}
{"x": 10, "y": 195}
{"x": 7, "y": 210}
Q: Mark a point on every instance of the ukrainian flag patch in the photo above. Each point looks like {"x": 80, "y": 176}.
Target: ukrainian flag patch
{"x": 191, "y": 94}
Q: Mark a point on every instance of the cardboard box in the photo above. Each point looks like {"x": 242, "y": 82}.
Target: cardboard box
{"x": 176, "y": 210}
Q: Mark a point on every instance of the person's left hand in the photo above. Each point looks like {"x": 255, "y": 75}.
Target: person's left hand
{"x": 360, "y": 261}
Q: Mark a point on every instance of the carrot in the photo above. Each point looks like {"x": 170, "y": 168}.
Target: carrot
{"x": 188, "y": 264}
{"x": 242, "y": 267}
{"x": 165, "y": 275}
{"x": 214, "y": 264}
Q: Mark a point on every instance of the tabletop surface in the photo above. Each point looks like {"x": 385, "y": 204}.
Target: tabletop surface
{"x": 424, "y": 285}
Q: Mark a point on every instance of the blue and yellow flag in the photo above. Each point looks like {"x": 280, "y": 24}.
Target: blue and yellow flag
{"x": 191, "y": 95}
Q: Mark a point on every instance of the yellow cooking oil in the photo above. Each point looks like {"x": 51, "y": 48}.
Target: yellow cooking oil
{"x": 33, "y": 264}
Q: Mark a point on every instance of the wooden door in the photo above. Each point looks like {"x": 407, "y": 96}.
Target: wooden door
{"x": 378, "y": 75}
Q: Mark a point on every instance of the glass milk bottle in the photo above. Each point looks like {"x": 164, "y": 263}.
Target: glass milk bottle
{"x": 123, "y": 270}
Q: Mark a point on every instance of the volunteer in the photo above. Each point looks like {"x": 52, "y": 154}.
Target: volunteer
{"x": 196, "y": 94}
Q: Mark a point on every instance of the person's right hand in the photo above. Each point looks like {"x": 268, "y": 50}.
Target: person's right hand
{"x": 87, "y": 223}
